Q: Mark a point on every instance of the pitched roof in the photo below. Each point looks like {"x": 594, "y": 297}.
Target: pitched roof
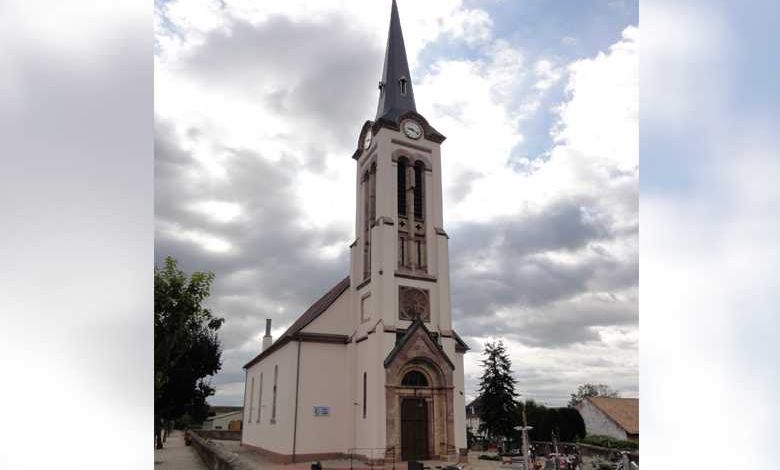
{"x": 219, "y": 409}
{"x": 416, "y": 325}
{"x": 475, "y": 405}
{"x": 212, "y": 418}
{"x": 393, "y": 101}
{"x": 460, "y": 343}
{"x": 623, "y": 411}
{"x": 316, "y": 309}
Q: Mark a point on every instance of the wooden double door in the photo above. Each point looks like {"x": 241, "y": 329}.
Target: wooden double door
{"x": 414, "y": 429}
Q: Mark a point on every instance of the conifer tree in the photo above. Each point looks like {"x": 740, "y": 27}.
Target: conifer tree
{"x": 500, "y": 408}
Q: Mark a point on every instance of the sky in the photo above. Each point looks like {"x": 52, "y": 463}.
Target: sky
{"x": 77, "y": 199}
{"x": 257, "y": 112}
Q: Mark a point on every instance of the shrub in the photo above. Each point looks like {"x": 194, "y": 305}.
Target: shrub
{"x": 606, "y": 441}
{"x": 601, "y": 465}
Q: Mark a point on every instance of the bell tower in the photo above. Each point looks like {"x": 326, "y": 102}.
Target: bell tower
{"x": 408, "y": 361}
{"x": 400, "y": 255}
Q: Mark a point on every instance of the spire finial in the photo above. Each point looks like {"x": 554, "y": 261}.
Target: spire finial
{"x": 395, "y": 90}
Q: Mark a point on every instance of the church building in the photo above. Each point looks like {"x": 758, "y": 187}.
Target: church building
{"x": 373, "y": 368}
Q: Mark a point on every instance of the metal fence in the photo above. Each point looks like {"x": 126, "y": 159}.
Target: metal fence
{"x": 373, "y": 455}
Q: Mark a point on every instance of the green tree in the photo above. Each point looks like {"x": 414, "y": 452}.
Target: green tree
{"x": 591, "y": 390}
{"x": 499, "y": 411}
{"x": 186, "y": 347}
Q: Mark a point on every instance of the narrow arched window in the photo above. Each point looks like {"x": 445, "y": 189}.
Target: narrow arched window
{"x": 251, "y": 399}
{"x": 402, "y": 82}
{"x": 365, "y": 393}
{"x": 419, "y": 190}
{"x": 260, "y": 399}
{"x": 403, "y": 163}
{"x": 415, "y": 378}
{"x": 273, "y": 404}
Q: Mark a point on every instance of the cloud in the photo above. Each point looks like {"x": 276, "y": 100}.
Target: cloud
{"x": 548, "y": 257}
{"x": 257, "y": 110}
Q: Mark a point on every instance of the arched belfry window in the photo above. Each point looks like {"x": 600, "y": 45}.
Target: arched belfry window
{"x": 419, "y": 190}
{"x": 402, "y": 82}
{"x": 403, "y": 164}
{"x": 414, "y": 378}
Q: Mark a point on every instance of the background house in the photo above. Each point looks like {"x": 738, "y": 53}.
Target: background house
{"x": 230, "y": 421}
{"x": 614, "y": 417}
{"x": 472, "y": 415}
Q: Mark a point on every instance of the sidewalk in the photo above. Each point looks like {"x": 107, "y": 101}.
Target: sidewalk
{"x": 176, "y": 456}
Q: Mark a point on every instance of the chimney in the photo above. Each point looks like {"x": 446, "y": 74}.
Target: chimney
{"x": 267, "y": 339}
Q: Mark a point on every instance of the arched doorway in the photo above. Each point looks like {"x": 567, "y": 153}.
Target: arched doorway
{"x": 419, "y": 398}
{"x": 414, "y": 429}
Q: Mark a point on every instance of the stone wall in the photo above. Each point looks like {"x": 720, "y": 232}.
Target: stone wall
{"x": 219, "y": 434}
{"x": 215, "y": 456}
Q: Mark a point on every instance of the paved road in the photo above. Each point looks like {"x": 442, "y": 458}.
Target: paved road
{"x": 176, "y": 456}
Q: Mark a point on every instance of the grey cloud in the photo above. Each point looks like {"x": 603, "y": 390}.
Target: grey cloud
{"x": 314, "y": 73}
{"x": 549, "y": 299}
{"x": 462, "y": 185}
{"x": 271, "y": 264}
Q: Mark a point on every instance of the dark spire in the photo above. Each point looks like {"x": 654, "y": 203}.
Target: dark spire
{"x": 396, "y": 96}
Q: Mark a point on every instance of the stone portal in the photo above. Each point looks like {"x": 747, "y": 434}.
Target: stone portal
{"x": 418, "y": 396}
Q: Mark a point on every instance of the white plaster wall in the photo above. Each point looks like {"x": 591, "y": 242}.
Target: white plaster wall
{"x": 443, "y": 292}
{"x": 597, "y": 423}
{"x": 337, "y": 319}
{"x": 369, "y": 431}
{"x": 323, "y": 369}
{"x": 274, "y": 437}
{"x": 459, "y": 401}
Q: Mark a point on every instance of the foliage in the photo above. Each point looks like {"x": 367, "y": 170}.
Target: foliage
{"x": 566, "y": 423}
{"x": 499, "y": 407}
{"x": 186, "y": 346}
{"x": 602, "y": 465}
{"x": 606, "y": 441}
{"x": 591, "y": 390}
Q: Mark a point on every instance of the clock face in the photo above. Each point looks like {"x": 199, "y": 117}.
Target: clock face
{"x": 412, "y": 129}
{"x": 367, "y": 140}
